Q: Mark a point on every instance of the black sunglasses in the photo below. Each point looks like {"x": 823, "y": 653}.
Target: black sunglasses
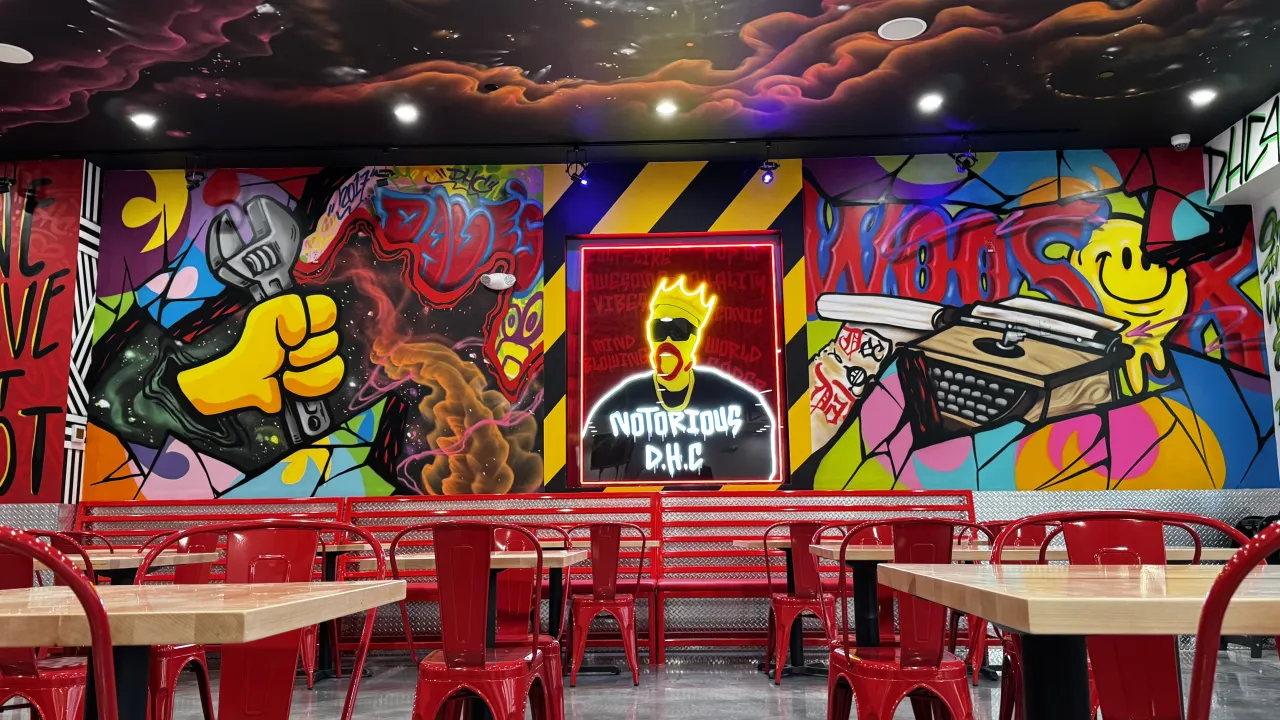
{"x": 677, "y": 329}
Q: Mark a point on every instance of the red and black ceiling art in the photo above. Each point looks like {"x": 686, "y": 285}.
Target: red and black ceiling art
{"x": 303, "y": 73}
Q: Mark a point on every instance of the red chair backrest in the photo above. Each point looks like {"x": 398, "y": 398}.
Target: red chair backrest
{"x": 196, "y": 573}
{"x": 606, "y": 544}
{"x": 804, "y": 565}
{"x": 462, "y": 571}
{"x": 1136, "y": 676}
{"x": 14, "y": 543}
{"x": 515, "y": 586}
{"x": 271, "y": 555}
{"x": 89, "y": 539}
{"x": 1251, "y": 555}
{"x": 921, "y": 623}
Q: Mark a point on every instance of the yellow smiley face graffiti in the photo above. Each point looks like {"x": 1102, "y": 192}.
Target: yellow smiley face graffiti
{"x": 1147, "y": 296}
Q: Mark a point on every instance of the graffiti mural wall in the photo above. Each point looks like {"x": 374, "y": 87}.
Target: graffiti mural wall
{"x": 39, "y": 224}
{"x": 1051, "y": 321}
{"x": 308, "y": 332}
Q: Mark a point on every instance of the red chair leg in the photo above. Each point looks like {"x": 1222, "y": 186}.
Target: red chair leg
{"x": 258, "y": 677}
{"x": 783, "y": 642}
{"x": 839, "y": 697}
{"x": 626, "y": 616}
{"x": 202, "y": 684}
{"x": 977, "y": 647}
{"x": 582, "y": 617}
{"x": 309, "y": 646}
{"x": 1008, "y": 691}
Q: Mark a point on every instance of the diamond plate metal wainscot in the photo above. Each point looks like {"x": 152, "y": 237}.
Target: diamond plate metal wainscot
{"x": 38, "y": 516}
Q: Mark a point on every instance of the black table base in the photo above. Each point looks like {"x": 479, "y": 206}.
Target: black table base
{"x": 1055, "y": 677}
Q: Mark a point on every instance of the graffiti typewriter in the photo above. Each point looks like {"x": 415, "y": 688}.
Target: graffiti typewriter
{"x": 975, "y": 367}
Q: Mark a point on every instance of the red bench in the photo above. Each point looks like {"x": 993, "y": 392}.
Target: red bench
{"x": 699, "y": 560}
{"x": 694, "y": 563}
{"x": 128, "y": 524}
{"x": 384, "y": 517}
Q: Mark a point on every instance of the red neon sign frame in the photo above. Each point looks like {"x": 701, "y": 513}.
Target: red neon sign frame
{"x": 585, "y": 246}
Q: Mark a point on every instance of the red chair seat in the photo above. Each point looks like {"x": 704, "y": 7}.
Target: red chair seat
{"x": 513, "y": 661}
{"x": 886, "y": 663}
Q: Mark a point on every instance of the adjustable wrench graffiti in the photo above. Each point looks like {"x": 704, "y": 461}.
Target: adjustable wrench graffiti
{"x": 264, "y": 266}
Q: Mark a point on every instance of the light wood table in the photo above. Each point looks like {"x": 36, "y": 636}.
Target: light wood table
{"x": 1055, "y": 607}
{"x": 863, "y": 559}
{"x": 144, "y": 615}
{"x": 122, "y": 565}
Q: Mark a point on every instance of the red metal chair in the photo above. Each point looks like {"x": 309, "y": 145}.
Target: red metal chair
{"x": 66, "y": 545}
{"x": 784, "y": 607}
{"x": 919, "y": 669}
{"x": 503, "y": 676}
{"x": 606, "y": 539}
{"x": 1136, "y": 676}
{"x": 1209, "y": 633}
{"x": 54, "y": 687}
{"x": 168, "y": 661}
{"x": 257, "y": 677}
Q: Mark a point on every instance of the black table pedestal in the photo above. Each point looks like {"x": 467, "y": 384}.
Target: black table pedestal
{"x": 1055, "y": 677}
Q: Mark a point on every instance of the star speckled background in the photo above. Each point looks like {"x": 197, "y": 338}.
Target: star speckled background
{"x": 303, "y": 73}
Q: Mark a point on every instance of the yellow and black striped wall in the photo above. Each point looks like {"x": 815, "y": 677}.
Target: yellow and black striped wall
{"x": 674, "y": 197}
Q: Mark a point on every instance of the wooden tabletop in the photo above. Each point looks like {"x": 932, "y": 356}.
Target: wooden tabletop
{"x": 126, "y": 559}
{"x": 498, "y": 560}
{"x": 1092, "y": 600}
{"x": 977, "y": 553}
{"x": 180, "y": 614}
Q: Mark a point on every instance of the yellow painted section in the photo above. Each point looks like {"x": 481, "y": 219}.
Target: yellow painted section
{"x": 748, "y": 488}
{"x": 794, "y": 301}
{"x": 554, "y": 183}
{"x": 798, "y": 433}
{"x": 554, "y": 311}
{"x": 553, "y": 442}
{"x": 758, "y": 205}
{"x": 648, "y": 197}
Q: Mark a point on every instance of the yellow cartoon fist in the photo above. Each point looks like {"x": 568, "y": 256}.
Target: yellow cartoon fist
{"x": 288, "y": 333}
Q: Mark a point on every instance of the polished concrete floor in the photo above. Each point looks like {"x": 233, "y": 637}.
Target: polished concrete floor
{"x": 728, "y": 689}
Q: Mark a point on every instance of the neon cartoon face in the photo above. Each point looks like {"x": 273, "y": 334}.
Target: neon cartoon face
{"x": 1148, "y": 296}
{"x": 677, "y": 317}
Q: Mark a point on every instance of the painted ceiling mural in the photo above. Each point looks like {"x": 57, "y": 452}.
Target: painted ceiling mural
{"x": 1077, "y": 320}
{"x": 246, "y": 73}
{"x": 306, "y": 332}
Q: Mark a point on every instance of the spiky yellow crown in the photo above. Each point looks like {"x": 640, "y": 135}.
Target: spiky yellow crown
{"x": 673, "y": 299}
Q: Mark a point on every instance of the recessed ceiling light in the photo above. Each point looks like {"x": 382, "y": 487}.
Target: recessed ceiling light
{"x": 903, "y": 28}
{"x": 666, "y": 108}
{"x": 1203, "y": 97}
{"x": 406, "y": 113}
{"x": 144, "y": 120}
{"x": 14, "y": 55}
{"x": 1114, "y": 49}
{"x": 929, "y": 102}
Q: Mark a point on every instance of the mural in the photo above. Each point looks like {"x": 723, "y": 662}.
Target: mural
{"x": 1053, "y": 321}
{"x": 39, "y": 220}
{"x": 306, "y": 332}
{"x": 1266, "y": 218}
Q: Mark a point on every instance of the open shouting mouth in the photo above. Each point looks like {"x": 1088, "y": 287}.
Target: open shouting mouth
{"x": 666, "y": 349}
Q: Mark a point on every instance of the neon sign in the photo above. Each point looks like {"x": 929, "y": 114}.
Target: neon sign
{"x": 684, "y": 418}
